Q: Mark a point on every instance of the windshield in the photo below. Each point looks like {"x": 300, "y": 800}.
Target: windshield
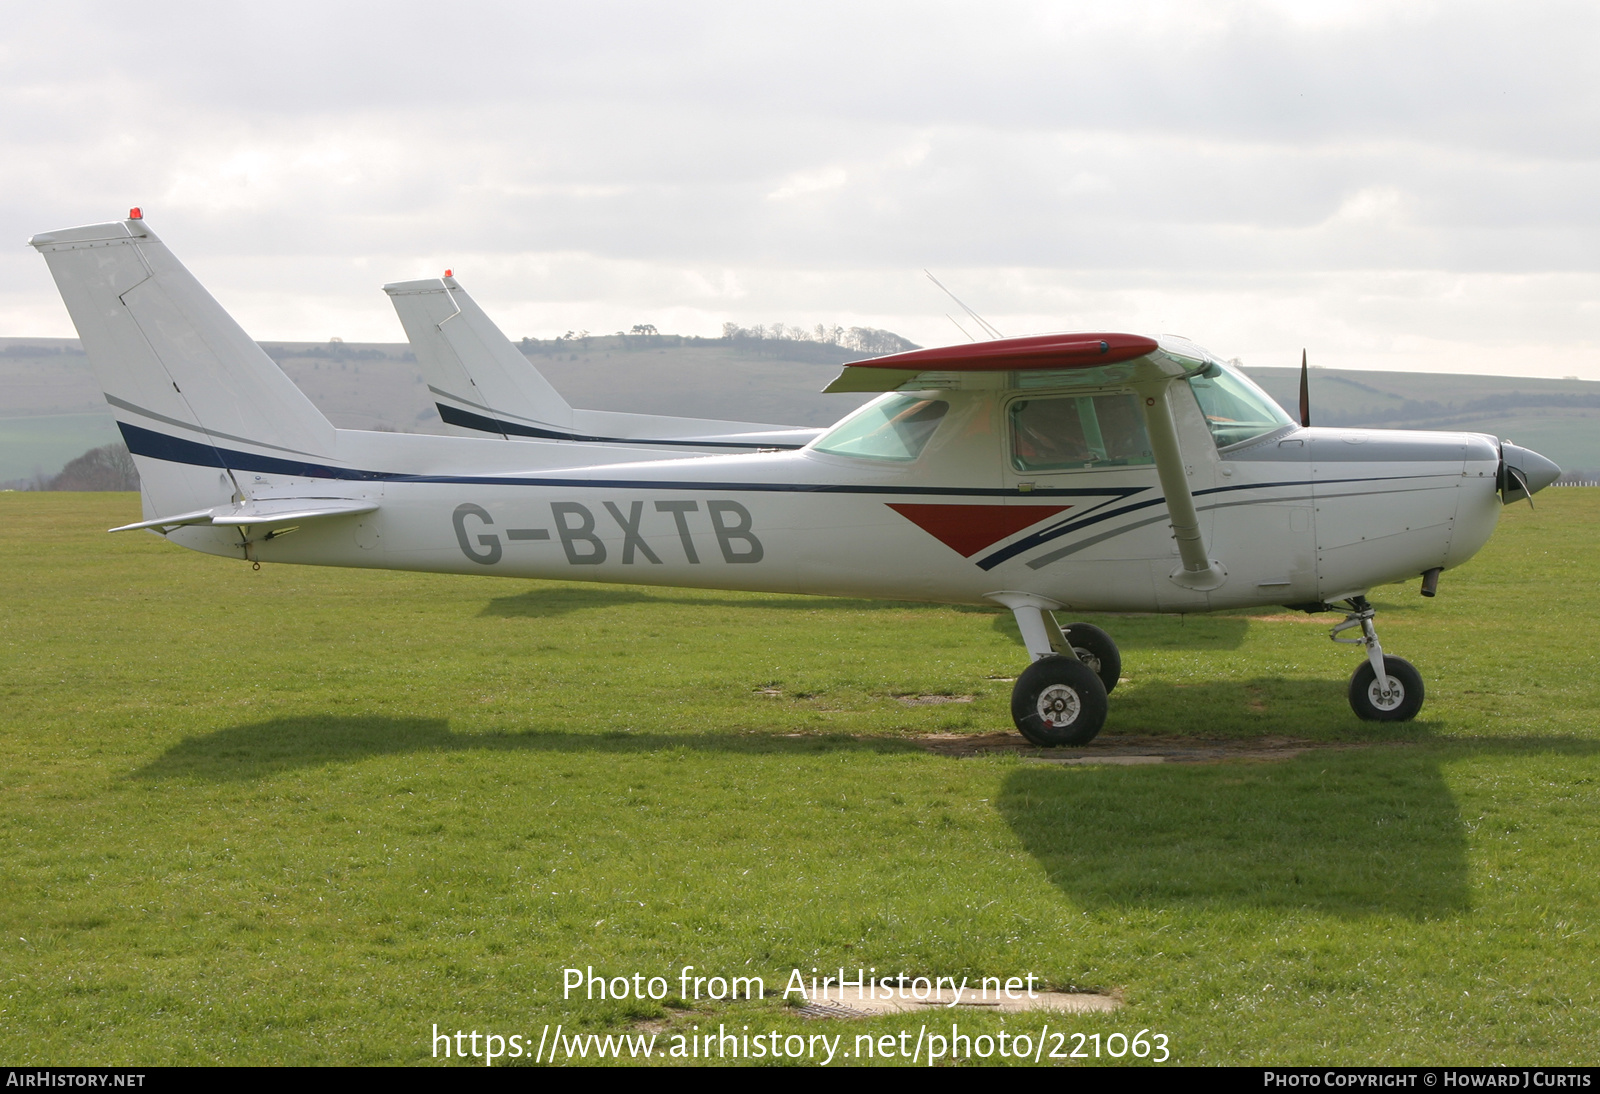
{"x": 1235, "y": 409}
{"x": 893, "y": 428}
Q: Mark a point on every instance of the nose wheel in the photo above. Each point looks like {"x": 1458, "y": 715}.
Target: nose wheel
{"x": 1385, "y": 688}
{"x": 1397, "y": 702}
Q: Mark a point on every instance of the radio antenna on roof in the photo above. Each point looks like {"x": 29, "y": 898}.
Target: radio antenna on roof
{"x": 959, "y": 327}
{"x": 987, "y": 327}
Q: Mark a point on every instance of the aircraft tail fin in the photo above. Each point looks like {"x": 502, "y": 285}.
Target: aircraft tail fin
{"x": 196, "y": 399}
{"x": 481, "y": 383}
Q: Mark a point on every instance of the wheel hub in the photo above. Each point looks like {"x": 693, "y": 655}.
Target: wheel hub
{"x": 1386, "y": 700}
{"x": 1059, "y": 706}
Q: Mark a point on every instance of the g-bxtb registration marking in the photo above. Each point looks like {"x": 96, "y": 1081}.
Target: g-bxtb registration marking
{"x": 575, "y": 527}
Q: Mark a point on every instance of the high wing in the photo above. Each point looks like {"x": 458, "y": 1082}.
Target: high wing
{"x": 483, "y": 385}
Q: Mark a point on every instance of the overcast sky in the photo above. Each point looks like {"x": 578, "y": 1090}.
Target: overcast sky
{"x": 1406, "y": 186}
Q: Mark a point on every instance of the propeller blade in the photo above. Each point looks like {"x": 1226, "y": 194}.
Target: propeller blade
{"x": 1522, "y": 484}
{"x": 1305, "y": 392}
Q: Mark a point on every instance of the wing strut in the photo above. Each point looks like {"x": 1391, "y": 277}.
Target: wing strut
{"x": 1199, "y": 571}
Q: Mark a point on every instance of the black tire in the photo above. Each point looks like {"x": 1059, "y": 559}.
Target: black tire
{"x": 1058, "y": 701}
{"x": 1400, "y": 706}
{"x": 1095, "y": 648}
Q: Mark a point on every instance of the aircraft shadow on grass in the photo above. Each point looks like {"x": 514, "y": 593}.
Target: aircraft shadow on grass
{"x": 1153, "y": 632}
{"x": 548, "y": 602}
{"x": 1282, "y": 706}
{"x": 1351, "y": 833}
{"x": 262, "y": 749}
{"x": 1199, "y": 632}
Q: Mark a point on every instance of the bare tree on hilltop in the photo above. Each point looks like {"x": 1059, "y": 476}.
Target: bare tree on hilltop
{"x": 861, "y": 339}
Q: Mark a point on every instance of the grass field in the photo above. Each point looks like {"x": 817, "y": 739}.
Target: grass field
{"x": 302, "y": 815}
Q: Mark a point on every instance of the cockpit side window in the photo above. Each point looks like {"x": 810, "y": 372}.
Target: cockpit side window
{"x": 895, "y": 428}
{"x": 1235, "y": 409}
{"x": 1070, "y": 432}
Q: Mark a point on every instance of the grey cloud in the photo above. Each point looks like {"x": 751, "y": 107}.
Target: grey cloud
{"x": 1477, "y": 74}
{"x": 822, "y": 149}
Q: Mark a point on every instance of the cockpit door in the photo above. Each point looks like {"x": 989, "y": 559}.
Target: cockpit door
{"x": 1079, "y": 463}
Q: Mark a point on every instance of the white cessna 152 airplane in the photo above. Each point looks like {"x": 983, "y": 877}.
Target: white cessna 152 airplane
{"x": 1067, "y": 472}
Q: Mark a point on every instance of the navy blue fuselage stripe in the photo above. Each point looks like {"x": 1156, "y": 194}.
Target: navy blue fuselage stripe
{"x": 159, "y": 446}
{"x": 146, "y": 442}
{"x": 468, "y": 420}
{"x": 1028, "y": 543}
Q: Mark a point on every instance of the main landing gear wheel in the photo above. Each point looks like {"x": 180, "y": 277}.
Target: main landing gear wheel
{"x": 1399, "y": 703}
{"x": 1058, "y": 701}
{"x": 1095, "y": 648}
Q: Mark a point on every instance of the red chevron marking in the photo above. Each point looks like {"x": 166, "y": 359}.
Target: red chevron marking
{"x": 968, "y": 529}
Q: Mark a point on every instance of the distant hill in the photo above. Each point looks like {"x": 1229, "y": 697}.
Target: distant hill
{"x": 51, "y": 409}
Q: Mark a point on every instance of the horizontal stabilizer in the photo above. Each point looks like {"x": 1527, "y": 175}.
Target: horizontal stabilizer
{"x": 259, "y": 511}
{"x": 162, "y": 524}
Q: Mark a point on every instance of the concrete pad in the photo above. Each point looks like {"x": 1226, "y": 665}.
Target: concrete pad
{"x": 852, "y": 1002}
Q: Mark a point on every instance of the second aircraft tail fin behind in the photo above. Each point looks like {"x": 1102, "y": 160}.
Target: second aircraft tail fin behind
{"x": 480, "y": 382}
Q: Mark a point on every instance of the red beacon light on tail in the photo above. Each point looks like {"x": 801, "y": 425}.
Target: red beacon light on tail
{"x": 449, "y": 273}
{"x": 135, "y": 213}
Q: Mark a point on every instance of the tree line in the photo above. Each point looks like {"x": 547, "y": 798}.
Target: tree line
{"x": 764, "y": 339}
{"x": 861, "y": 339}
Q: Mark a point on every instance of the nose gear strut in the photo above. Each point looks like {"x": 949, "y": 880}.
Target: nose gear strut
{"x": 1361, "y": 614}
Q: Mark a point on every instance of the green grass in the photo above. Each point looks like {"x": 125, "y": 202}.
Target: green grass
{"x": 301, "y": 815}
